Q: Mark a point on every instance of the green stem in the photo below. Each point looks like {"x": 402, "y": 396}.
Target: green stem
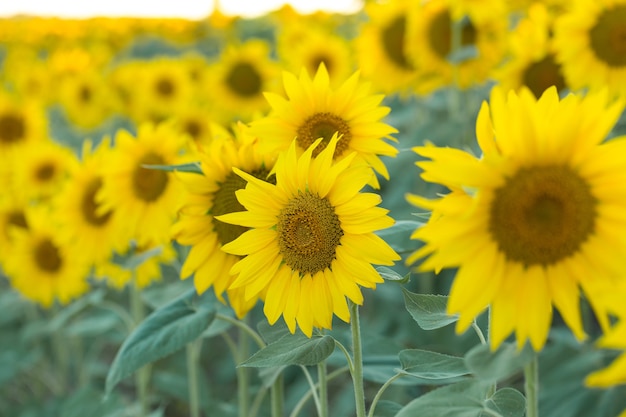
{"x": 243, "y": 373}
{"x": 531, "y": 387}
{"x": 243, "y": 326}
{"x": 380, "y": 393}
{"x": 357, "y": 371}
{"x": 334, "y": 374}
{"x": 277, "y": 396}
{"x": 61, "y": 355}
{"x": 142, "y": 376}
{"x": 312, "y": 388}
{"x": 193, "y": 363}
{"x": 258, "y": 400}
{"x": 322, "y": 379}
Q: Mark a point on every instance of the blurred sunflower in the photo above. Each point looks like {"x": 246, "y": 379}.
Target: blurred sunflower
{"x": 313, "y": 109}
{"x": 146, "y": 199}
{"x": 311, "y": 242}
{"x": 96, "y": 234}
{"x": 43, "y": 169}
{"x": 40, "y": 267}
{"x": 591, "y": 43}
{"x": 380, "y": 48}
{"x": 12, "y": 215}
{"x": 537, "y": 216}
{"x": 195, "y": 121}
{"x": 532, "y": 62}
{"x": 430, "y": 42}
{"x": 239, "y": 78}
{"x": 212, "y": 194}
{"x": 21, "y": 121}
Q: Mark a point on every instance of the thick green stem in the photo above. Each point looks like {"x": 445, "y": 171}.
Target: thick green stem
{"x": 193, "y": 364}
{"x": 323, "y": 388}
{"x": 142, "y": 376}
{"x": 243, "y": 373}
{"x": 277, "y": 396}
{"x": 531, "y": 386}
{"x": 357, "y": 371}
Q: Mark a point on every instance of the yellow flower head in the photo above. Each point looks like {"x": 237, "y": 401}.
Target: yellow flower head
{"x": 311, "y": 242}
{"x": 539, "y": 215}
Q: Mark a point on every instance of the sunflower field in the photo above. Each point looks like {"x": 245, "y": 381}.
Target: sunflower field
{"x": 416, "y": 209}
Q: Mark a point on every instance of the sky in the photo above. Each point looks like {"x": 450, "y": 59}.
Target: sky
{"x": 190, "y": 9}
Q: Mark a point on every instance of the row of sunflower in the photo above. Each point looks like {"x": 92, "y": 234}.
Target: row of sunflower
{"x": 252, "y": 157}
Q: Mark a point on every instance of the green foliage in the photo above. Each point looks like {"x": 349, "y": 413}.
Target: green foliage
{"x": 494, "y": 366}
{"x": 429, "y": 311}
{"x": 294, "y": 349}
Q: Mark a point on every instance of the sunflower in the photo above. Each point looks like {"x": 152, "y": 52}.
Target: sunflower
{"x": 314, "y": 110}
{"x": 147, "y": 199}
{"x": 40, "y": 267}
{"x": 195, "y": 121}
{"x": 20, "y": 122}
{"x": 212, "y": 194}
{"x": 533, "y": 57}
{"x": 536, "y": 217}
{"x": 43, "y": 169}
{"x": 12, "y": 215}
{"x": 311, "y": 242}
{"x": 239, "y": 78}
{"x": 97, "y": 234}
{"x": 429, "y": 42}
{"x": 591, "y": 45}
{"x": 380, "y": 48}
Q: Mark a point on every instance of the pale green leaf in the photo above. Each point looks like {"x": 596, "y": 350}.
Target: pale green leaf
{"x": 429, "y": 311}
{"x": 431, "y": 365}
{"x": 293, "y": 350}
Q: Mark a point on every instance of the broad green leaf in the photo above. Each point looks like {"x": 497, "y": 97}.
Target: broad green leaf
{"x": 162, "y": 333}
{"x": 293, "y": 350}
{"x": 429, "y": 311}
{"x": 386, "y": 408}
{"x": 494, "y": 366}
{"x": 391, "y": 275}
{"x": 431, "y": 365}
{"x": 273, "y": 332}
{"x": 507, "y": 402}
{"x": 463, "y": 399}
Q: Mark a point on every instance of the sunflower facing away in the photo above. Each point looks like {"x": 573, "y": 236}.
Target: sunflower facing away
{"x": 212, "y": 194}
{"x": 311, "y": 242}
{"x": 539, "y": 215}
{"x": 313, "y": 110}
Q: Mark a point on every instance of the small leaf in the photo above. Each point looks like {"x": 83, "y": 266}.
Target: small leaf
{"x": 134, "y": 259}
{"x": 463, "y": 399}
{"x": 391, "y": 275}
{"x": 192, "y": 167}
{"x": 293, "y": 350}
{"x": 494, "y": 366}
{"x": 463, "y": 54}
{"x": 162, "y": 333}
{"x": 507, "y": 402}
{"x": 429, "y": 311}
{"x": 431, "y": 365}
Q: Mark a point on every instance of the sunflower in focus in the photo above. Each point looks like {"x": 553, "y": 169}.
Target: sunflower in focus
{"x": 313, "y": 110}
{"x": 381, "y": 50}
{"x": 430, "y": 42}
{"x": 537, "y": 218}
{"x": 97, "y": 234}
{"x": 240, "y": 77}
{"x": 212, "y": 194}
{"x": 147, "y": 199}
{"x": 591, "y": 43}
{"x": 311, "y": 242}
{"x": 40, "y": 267}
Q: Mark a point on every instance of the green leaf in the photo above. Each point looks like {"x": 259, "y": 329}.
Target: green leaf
{"x": 431, "y": 365}
{"x": 192, "y": 167}
{"x": 134, "y": 259}
{"x": 273, "y": 332}
{"x": 162, "y": 333}
{"x": 493, "y": 366}
{"x": 60, "y": 319}
{"x": 386, "y": 408}
{"x": 391, "y": 275}
{"x": 293, "y": 350}
{"x": 507, "y": 402}
{"x": 463, "y": 399}
{"x": 429, "y": 311}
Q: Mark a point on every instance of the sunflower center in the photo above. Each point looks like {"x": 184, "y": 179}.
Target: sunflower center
{"x": 541, "y": 75}
{"x": 149, "y": 184}
{"x": 542, "y": 215}
{"x": 45, "y": 172}
{"x": 608, "y": 36}
{"x": 309, "y": 232}
{"x": 165, "y": 87}
{"x": 85, "y": 94}
{"x": 324, "y": 125}
{"x": 47, "y": 256}
{"x": 244, "y": 80}
{"x": 12, "y": 128}
{"x": 393, "y": 37}
{"x": 193, "y": 128}
{"x": 225, "y": 201}
{"x": 440, "y": 34}
{"x": 89, "y": 206}
{"x": 18, "y": 219}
